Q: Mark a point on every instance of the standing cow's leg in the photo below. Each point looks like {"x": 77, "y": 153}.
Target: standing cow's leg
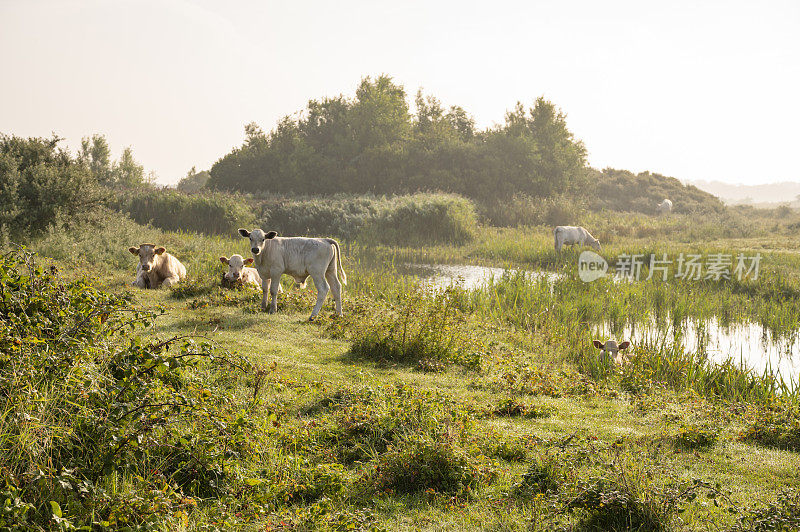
{"x": 274, "y": 285}
{"x": 265, "y": 286}
{"x": 336, "y": 286}
{"x": 322, "y": 291}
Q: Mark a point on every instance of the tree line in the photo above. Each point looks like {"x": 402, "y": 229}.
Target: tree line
{"x": 373, "y": 143}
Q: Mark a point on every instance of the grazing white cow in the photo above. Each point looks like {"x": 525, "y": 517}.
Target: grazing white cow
{"x": 665, "y": 207}
{"x": 612, "y": 351}
{"x": 238, "y": 272}
{"x": 569, "y": 235}
{"x": 156, "y": 267}
{"x": 298, "y": 257}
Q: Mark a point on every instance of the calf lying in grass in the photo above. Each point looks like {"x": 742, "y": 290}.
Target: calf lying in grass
{"x": 238, "y": 272}
{"x": 613, "y": 351}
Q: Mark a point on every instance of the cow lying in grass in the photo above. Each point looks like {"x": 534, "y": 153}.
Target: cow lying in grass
{"x": 613, "y": 351}
{"x": 156, "y": 267}
{"x": 300, "y": 258}
{"x": 568, "y": 235}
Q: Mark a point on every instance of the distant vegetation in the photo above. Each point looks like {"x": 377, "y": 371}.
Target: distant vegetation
{"x": 210, "y": 213}
{"x": 621, "y": 190}
{"x": 411, "y": 219}
{"x": 374, "y": 144}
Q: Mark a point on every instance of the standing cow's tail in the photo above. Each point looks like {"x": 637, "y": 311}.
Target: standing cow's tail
{"x": 338, "y": 259}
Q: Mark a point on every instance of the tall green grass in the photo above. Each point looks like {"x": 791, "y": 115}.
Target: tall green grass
{"x": 416, "y": 219}
{"x": 207, "y": 213}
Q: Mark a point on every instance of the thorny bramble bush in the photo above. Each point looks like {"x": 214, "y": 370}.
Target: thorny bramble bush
{"x": 86, "y": 401}
{"x": 696, "y": 436}
{"x": 781, "y": 515}
{"x": 778, "y": 426}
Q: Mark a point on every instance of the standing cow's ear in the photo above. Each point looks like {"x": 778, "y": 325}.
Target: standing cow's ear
{"x": 223, "y": 260}
{"x": 244, "y": 232}
{"x": 624, "y": 345}
{"x": 159, "y": 250}
{"x": 598, "y": 344}
{"x": 270, "y": 235}
{"x": 248, "y": 260}
{"x": 133, "y": 250}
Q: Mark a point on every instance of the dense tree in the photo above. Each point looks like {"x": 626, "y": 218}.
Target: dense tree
{"x": 373, "y": 143}
{"x": 194, "y": 181}
{"x": 42, "y": 185}
{"x": 127, "y": 172}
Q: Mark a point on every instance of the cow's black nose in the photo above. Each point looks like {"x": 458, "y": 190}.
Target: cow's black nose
{"x": 255, "y": 251}
{"x": 146, "y": 267}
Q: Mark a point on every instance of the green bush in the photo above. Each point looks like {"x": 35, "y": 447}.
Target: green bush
{"x": 208, "y": 213}
{"x": 41, "y": 185}
{"x": 780, "y": 515}
{"x": 424, "y": 219}
{"x": 338, "y": 216}
{"x": 513, "y": 408}
{"x": 420, "y": 464}
{"x": 621, "y": 190}
{"x": 360, "y": 424}
{"x": 85, "y": 403}
{"x": 544, "y": 475}
{"x": 416, "y": 219}
{"x": 696, "y": 436}
{"x": 523, "y": 210}
{"x": 426, "y": 329}
{"x": 778, "y": 427}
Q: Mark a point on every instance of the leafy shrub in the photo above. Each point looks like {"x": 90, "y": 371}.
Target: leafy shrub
{"x": 544, "y": 475}
{"x": 42, "y": 185}
{"x": 209, "y": 213}
{"x": 780, "y": 515}
{"x": 621, "y": 190}
{"x": 635, "y": 495}
{"x": 361, "y": 424}
{"x": 85, "y": 401}
{"x": 508, "y": 449}
{"x": 513, "y": 408}
{"x": 696, "y": 436}
{"x": 397, "y": 220}
{"x": 423, "y": 327}
{"x": 778, "y": 427}
{"x": 420, "y": 464}
{"x": 338, "y": 216}
{"x": 523, "y": 210}
{"x": 424, "y": 219}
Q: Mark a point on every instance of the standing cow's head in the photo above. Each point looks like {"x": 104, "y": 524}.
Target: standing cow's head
{"x": 595, "y": 244}
{"x": 147, "y": 255}
{"x": 611, "y": 350}
{"x": 235, "y": 266}
{"x": 257, "y": 238}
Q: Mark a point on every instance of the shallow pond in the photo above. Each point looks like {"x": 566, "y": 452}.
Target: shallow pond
{"x": 749, "y": 343}
{"x": 467, "y": 276}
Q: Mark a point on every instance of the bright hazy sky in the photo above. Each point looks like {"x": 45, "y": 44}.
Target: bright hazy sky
{"x": 695, "y": 89}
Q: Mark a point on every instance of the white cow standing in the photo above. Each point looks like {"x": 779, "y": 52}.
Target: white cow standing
{"x": 298, "y": 257}
{"x": 569, "y": 235}
{"x": 665, "y": 207}
{"x": 156, "y": 267}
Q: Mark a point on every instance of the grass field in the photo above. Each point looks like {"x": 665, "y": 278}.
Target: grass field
{"x": 449, "y": 410}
